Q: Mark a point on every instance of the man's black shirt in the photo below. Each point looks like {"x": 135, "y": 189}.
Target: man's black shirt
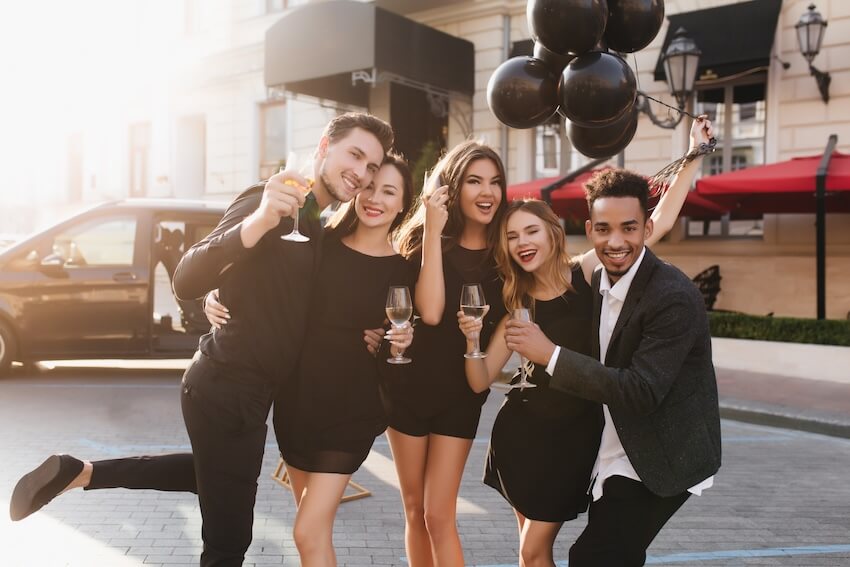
{"x": 266, "y": 289}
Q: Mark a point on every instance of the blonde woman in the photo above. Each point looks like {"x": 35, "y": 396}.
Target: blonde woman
{"x": 544, "y": 442}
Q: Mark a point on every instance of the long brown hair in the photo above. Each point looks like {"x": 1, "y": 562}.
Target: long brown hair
{"x": 516, "y": 291}
{"x": 451, "y": 170}
{"x": 344, "y": 221}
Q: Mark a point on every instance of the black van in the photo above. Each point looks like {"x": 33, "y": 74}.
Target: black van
{"x": 98, "y": 285}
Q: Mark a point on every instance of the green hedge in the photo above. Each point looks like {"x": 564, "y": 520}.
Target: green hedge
{"x": 784, "y": 329}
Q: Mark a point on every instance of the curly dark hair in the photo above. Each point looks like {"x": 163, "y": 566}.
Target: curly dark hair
{"x": 618, "y": 183}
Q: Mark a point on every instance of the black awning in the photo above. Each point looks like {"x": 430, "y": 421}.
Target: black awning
{"x": 733, "y": 39}
{"x": 315, "y": 48}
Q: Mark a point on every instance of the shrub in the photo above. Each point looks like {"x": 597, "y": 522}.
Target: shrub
{"x": 784, "y": 329}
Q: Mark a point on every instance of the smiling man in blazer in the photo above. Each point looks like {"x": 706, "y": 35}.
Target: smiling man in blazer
{"x": 651, "y": 370}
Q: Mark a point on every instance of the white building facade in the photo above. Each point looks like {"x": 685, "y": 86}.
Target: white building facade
{"x": 219, "y": 129}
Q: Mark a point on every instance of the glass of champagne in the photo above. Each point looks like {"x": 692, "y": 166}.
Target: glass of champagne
{"x": 304, "y": 170}
{"x": 523, "y": 314}
{"x": 399, "y": 310}
{"x": 473, "y": 304}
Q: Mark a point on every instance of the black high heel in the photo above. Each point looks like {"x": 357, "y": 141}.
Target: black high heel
{"x": 41, "y": 485}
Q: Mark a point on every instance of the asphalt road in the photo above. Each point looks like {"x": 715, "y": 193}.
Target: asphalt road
{"x": 781, "y": 498}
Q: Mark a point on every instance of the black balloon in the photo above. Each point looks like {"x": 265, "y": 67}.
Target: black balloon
{"x": 606, "y": 141}
{"x": 597, "y": 89}
{"x": 633, "y": 24}
{"x": 567, "y": 26}
{"x": 523, "y": 92}
{"x": 554, "y": 61}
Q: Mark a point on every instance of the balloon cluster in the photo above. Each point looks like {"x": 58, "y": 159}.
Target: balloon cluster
{"x": 577, "y": 71}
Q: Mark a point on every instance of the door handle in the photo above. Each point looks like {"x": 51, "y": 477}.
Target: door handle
{"x": 124, "y": 277}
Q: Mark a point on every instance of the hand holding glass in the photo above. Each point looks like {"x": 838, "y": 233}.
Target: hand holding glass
{"x": 473, "y": 304}
{"x": 523, "y": 314}
{"x": 304, "y": 169}
{"x": 399, "y": 310}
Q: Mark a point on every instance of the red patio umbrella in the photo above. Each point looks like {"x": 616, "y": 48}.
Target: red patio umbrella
{"x": 814, "y": 184}
{"x": 782, "y": 187}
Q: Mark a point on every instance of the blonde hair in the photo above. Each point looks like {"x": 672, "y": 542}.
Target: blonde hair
{"x": 451, "y": 170}
{"x": 516, "y": 291}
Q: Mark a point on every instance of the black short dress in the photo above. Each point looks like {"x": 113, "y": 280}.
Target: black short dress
{"x": 339, "y": 409}
{"x": 544, "y": 442}
{"x": 434, "y": 397}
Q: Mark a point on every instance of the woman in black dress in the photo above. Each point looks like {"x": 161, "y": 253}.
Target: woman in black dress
{"x": 335, "y": 408}
{"x": 340, "y": 409}
{"x": 544, "y": 442}
{"x": 433, "y": 412}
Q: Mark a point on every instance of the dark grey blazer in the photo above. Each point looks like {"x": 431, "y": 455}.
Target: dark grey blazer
{"x": 658, "y": 380}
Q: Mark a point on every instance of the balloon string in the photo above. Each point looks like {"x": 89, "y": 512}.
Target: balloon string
{"x": 637, "y": 77}
{"x": 685, "y": 112}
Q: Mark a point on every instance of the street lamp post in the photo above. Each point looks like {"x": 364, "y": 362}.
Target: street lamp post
{"x": 810, "y": 31}
{"x": 680, "y": 61}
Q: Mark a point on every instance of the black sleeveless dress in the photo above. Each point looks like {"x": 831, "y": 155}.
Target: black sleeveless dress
{"x": 339, "y": 407}
{"x": 544, "y": 442}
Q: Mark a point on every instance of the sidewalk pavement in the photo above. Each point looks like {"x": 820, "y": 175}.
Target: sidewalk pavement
{"x": 803, "y": 387}
{"x": 795, "y": 386}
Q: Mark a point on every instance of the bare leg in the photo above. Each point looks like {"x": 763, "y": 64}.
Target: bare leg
{"x": 298, "y": 482}
{"x": 536, "y": 543}
{"x": 520, "y": 522}
{"x": 443, "y": 471}
{"x": 314, "y": 520}
{"x": 409, "y": 456}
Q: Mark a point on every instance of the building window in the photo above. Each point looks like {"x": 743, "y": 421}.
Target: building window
{"x": 740, "y": 111}
{"x": 547, "y": 143}
{"x": 273, "y": 140}
{"x": 273, "y": 6}
{"x": 140, "y": 144}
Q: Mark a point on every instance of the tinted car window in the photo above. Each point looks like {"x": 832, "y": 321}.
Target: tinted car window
{"x": 103, "y": 242}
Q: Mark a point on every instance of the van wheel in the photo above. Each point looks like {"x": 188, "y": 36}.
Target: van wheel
{"x": 8, "y": 347}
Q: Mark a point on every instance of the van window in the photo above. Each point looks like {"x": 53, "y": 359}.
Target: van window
{"x": 103, "y": 242}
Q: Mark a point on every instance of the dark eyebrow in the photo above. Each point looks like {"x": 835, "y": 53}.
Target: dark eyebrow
{"x": 390, "y": 185}
{"x": 630, "y": 222}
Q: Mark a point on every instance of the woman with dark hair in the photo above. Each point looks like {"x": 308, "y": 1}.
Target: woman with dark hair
{"x": 336, "y": 400}
{"x": 544, "y": 442}
{"x": 433, "y": 412}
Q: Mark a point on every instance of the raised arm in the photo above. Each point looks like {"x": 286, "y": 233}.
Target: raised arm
{"x": 430, "y": 296}
{"x": 201, "y": 267}
{"x": 481, "y": 372}
{"x": 249, "y": 217}
{"x": 670, "y": 205}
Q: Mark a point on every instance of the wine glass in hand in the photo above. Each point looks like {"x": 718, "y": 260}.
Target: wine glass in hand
{"x": 473, "y": 304}
{"x": 523, "y": 314}
{"x": 399, "y": 310}
{"x": 304, "y": 169}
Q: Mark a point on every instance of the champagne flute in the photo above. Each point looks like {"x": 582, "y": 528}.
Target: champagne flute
{"x": 523, "y": 314}
{"x": 399, "y": 310}
{"x": 304, "y": 169}
{"x": 473, "y": 304}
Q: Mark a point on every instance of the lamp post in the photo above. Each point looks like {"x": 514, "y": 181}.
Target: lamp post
{"x": 810, "y": 31}
{"x": 680, "y": 61}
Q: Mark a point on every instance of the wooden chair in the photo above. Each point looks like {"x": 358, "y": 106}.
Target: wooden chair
{"x": 357, "y": 491}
